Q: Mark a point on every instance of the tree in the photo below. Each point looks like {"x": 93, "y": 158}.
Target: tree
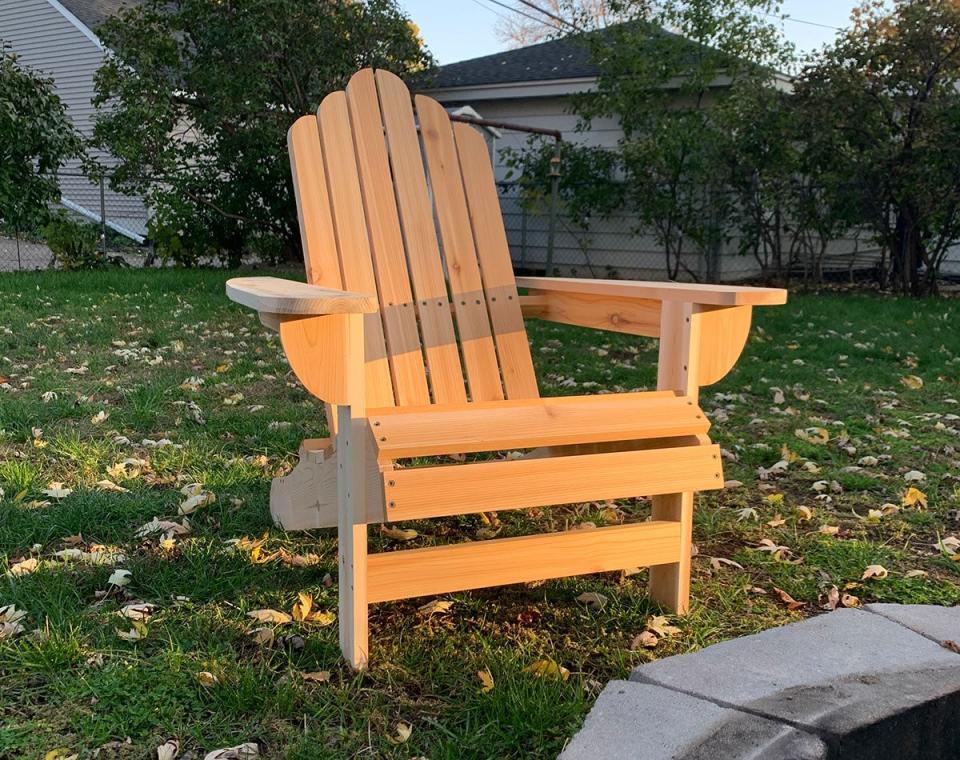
{"x": 526, "y": 26}
{"x": 197, "y": 98}
{"x": 36, "y": 138}
{"x": 663, "y": 74}
{"x": 883, "y": 101}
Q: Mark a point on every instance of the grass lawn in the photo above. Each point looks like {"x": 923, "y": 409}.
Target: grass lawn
{"x": 153, "y": 381}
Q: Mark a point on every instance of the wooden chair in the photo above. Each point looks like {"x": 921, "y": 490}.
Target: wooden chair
{"x": 412, "y": 331}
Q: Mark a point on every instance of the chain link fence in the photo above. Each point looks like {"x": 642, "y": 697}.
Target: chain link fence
{"x": 120, "y": 220}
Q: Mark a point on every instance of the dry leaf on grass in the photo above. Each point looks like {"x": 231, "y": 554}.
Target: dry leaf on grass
{"x": 303, "y": 611}
{"x": 435, "y": 607}
{"x": 57, "y": 490}
{"x": 402, "y": 731}
{"x": 24, "y": 567}
{"x": 593, "y": 600}
{"x": 207, "y": 679}
{"x": 317, "y": 676}
{"x": 270, "y": 616}
{"x": 874, "y": 571}
{"x": 246, "y": 751}
{"x": 830, "y": 599}
{"x": 398, "y": 534}
{"x": 914, "y": 497}
{"x": 792, "y": 604}
{"x": 168, "y": 750}
{"x": 263, "y": 636}
{"x": 913, "y": 382}
{"x": 119, "y": 578}
{"x": 486, "y": 680}
{"x": 644, "y": 640}
{"x": 548, "y": 669}
{"x": 661, "y": 626}
{"x": 849, "y": 600}
{"x": 717, "y": 562}
{"x": 815, "y": 435}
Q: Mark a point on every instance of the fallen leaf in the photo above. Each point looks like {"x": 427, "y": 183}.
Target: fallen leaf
{"x": 776, "y": 522}
{"x": 716, "y": 563}
{"x": 953, "y": 646}
{"x": 645, "y": 640}
{"x": 915, "y": 476}
{"x": 830, "y": 599}
{"x": 916, "y": 574}
{"x": 207, "y": 679}
{"x": 829, "y": 530}
{"x": 914, "y": 497}
{"x": 849, "y": 600}
{"x": 804, "y": 514}
{"x": 302, "y": 607}
{"x": 661, "y": 626}
{"x": 317, "y": 676}
{"x": 136, "y": 633}
{"x": 24, "y": 567}
{"x": 61, "y": 753}
{"x": 168, "y": 750}
{"x": 137, "y": 611}
{"x": 815, "y": 435}
{"x": 435, "y": 606}
{"x": 398, "y": 534}
{"x": 593, "y": 600}
{"x": 246, "y": 751}
{"x": 119, "y": 578}
{"x": 401, "y": 733}
{"x": 547, "y": 669}
{"x": 262, "y": 636}
{"x": 486, "y": 680}
{"x": 792, "y": 604}
{"x": 192, "y": 503}
{"x": 912, "y": 382}
{"x": 874, "y": 571}
{"x": 56, "y": 490}
{"x": 270, "y": 616}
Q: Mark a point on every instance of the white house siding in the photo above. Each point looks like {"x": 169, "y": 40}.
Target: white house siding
{"x": 46, "y": 41}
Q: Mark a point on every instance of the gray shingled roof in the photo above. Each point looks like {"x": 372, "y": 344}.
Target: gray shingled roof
{"x": 556, "y": 59}
{"x": 94, "y": 12}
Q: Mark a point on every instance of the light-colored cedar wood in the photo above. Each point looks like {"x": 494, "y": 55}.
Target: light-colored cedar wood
{"x": 539, "y": 422}
{"x": 459, "y": 567}
{"x": 313, "y": 204}
{"x": 271, "y": 295}
{"x": 421, "y": 492}
{"x": 420, "y": 237}
{"x": 318, "y": 355}
{"x": 496, "y": 267}
{"x": 459, "y": 252}
{"x": 386, "y": 243}
{"x": 351, "y": 499}
{"x": 306, "y": 498}
{"x": 677, "y": 370}
{"x": 713, "y": 295}
{"x": 356, "y": 264}
{"x": 533, "y": 307}
{"x": 723, "y": 335}
{"x": 634, "y": 316}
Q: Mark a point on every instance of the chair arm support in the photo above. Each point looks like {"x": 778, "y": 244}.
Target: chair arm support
{"x": 271, "y": 295}
{"x": 707, "y": 295}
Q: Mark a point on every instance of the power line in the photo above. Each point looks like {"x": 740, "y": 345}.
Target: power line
{"x": 519, "y": 12}
{"x": 786, "y": 17}
{"x": 493, "y": 11}
{"x": 551, "y": 14}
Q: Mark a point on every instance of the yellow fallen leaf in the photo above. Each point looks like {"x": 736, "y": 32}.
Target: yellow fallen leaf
{"x": 486, "y": 680}
{"x": 401, "y": 733}
{"x": 207, "y": 679}
{"x": 398, "y": 534}
{"x": 270, "y": 616}
{"x": 24, "y": 567}
{"x": 547, "y": 669}
{"x": 815, "y": 435}
{"x": 874, "y": 571}
{"x": 912, "y": 382}
{"x": 61, "y": 753}
{"x": 302, "y": 607}
{"x": 914, "y": 497}
{"x": 773, "y": 498}
{"x": 849, "y": 600}
{"x": 804, "y": 514}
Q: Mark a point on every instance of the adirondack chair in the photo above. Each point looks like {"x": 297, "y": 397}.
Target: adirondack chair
{"x": 411, "y": 330}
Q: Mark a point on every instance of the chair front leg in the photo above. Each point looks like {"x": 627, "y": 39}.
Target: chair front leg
{"x": 677, "y": 370}
{"x": 351, "y": 501}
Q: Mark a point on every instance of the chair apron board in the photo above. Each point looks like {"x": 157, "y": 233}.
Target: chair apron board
{"x": 397, "y": 203}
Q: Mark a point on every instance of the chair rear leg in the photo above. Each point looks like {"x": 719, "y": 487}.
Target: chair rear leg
{"x": 670, "y": 584}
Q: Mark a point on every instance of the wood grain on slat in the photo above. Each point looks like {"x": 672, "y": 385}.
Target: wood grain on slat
{"x": 273, "y": 295}
{"x": 496, "y": 267}
{"x": 459, "y": 252}
{"x": 356, "y": 265}
{"x": 723, "y": 335}
{"x": 386, "y": 243}
{"x": 633, "y": 316}
{"x": 421, "y": 492}
{"x": 699, "y": 293}
{"x": 540, "y": 422}
{"x": 458, "y": 567}
{"x": 313, "y": 204}
{"x": 420, "y": 236}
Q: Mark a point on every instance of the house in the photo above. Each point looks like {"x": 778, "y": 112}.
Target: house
{"x": 57, "y": 39}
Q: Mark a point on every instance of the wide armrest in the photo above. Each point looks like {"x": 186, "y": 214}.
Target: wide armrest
{"x": 271, "y": 295}
{"x": 707, "y": 295}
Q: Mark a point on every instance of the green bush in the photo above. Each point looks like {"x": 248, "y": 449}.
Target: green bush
{"x": 76, "y": 244}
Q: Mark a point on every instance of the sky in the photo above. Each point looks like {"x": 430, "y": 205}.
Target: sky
{"x": 456, "y": 30}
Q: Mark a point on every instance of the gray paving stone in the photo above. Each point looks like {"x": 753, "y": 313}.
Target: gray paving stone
{"x": 940, "y": 623}
{"x": 633, "y": 721}
{"x": 829, "y": 673}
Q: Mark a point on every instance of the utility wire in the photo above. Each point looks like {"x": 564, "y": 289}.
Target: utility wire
{"x": 513, "y": 9}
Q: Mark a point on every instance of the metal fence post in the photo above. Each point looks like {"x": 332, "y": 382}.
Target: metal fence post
{"x": 554, "y": 203}
{"x": 103, "y": 215}
{"x": 16, "y": 235}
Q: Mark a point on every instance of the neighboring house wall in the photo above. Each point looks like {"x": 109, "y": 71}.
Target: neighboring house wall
{"x": 51, "y": 43}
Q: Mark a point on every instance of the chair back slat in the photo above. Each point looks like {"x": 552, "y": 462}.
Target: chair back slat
{"x": 459, "y": 252}
{"x": 386, "y": 242}
{"x": 356, "y": 264}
